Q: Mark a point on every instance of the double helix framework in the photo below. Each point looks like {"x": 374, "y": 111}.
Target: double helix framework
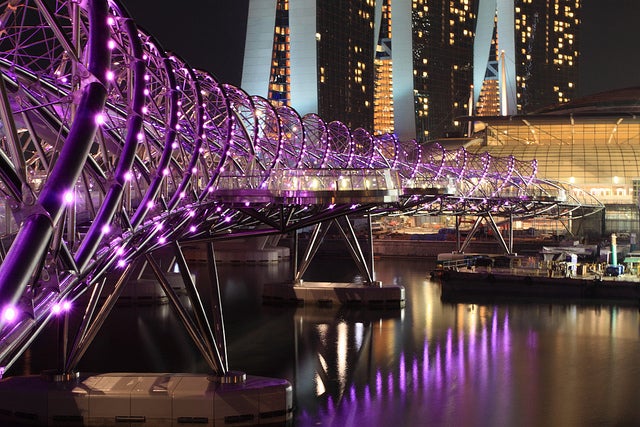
{"x": 112, "y": 148}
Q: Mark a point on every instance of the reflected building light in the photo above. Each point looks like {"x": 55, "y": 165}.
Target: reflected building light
{"x": 320, "y": 388}
{"x": 358, "y": 334}
{"x": 342, "y": 349}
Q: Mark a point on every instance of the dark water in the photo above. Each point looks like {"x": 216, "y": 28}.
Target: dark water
{"x": 429, "y": 364}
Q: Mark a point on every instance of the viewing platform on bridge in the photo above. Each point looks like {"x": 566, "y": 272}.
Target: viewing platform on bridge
{"x": 311, "y": 186}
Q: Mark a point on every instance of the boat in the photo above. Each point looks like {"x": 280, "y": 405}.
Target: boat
{"x": 509, "y": 277}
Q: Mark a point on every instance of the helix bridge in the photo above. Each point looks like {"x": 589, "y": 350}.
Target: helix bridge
{"x": 112, "y": 148}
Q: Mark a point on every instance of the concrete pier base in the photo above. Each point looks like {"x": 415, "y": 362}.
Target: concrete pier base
{"x": 334, "y": 293}
{"x": 146, "y": 398}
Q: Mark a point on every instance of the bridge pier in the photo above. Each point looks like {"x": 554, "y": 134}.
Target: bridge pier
{"x": 365, "y": 290}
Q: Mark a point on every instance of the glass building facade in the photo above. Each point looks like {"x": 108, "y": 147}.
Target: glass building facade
{"x": 592, "y": 143}
{"x": 344, "y": 35}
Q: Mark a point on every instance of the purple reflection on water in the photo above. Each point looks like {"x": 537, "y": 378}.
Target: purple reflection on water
{"x": 402, "y": 380}
{"x": 532, "y": 339}
{"x": 506, "y": 335}
{"x": 414, "y": 374}
{"x": 438, "y": 369}
{"x": 494, "y": 332}
{"x": 390, "y": 383}
{"x": 367, "y": 397}
{"x": 378, "y": 383}
{"x": 425, "y": 361}
{"x": 461, "y": 356}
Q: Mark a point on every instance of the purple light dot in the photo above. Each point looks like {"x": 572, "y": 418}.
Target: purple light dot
{"x": 100, "y": 118}
{"x": 110, "y": 20}
{"x": 162, "y": 240}
{"x": 106, "y": 229}
{"x": 68, "y": 197}
{"x": 122, "y": 263}
{"x": 193, "y": 228}
{"x": 9, "y": 314}
{"x": 111, "y": 44}
{"x": 56, "y": 309}
{"x": 66, "y": 305}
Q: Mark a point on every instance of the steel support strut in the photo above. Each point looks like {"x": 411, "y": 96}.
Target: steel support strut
{"x": 214, "y": 362}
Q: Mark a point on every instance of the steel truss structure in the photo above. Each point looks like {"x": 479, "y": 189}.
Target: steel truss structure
{"x": 113, "y": 148}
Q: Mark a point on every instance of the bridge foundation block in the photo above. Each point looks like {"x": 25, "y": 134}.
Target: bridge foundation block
{"x": 335, "y": 293}
{"x": 150, "y": 398}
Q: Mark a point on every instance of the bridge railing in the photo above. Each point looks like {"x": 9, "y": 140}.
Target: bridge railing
{"x": 334, "y": 180}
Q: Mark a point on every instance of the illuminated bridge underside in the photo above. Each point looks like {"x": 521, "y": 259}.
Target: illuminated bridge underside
{"x": 112, "y": 148}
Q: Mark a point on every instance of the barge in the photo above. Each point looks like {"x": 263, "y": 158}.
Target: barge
{"x": 472, "y": 286}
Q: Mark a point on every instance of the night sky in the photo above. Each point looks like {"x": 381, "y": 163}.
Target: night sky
{"x": 209, "y": 34}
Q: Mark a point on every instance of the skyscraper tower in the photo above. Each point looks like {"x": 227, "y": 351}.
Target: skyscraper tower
{"x": 525, "y": 55}
{"x": 408, "y": 66}
{"x": 318, "y": 57}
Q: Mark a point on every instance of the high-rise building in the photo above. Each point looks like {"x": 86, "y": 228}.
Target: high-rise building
{"x": 318, "y": 57}
{"x": 412, "y": 67}
{"x": 525, "y": 55}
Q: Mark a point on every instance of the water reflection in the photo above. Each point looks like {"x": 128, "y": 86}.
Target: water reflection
{"x": 427, "y": 364}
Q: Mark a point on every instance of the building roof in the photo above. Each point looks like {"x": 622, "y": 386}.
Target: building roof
{"x": 603, "y": 107}
{"x": 614, "y": 101}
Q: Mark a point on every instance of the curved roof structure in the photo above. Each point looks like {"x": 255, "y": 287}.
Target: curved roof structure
{"x": 592, "y": 142}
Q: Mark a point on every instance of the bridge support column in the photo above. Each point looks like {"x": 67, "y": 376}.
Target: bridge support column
{"x": 365, "y": 266}
{"x": 364, "y": 292}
